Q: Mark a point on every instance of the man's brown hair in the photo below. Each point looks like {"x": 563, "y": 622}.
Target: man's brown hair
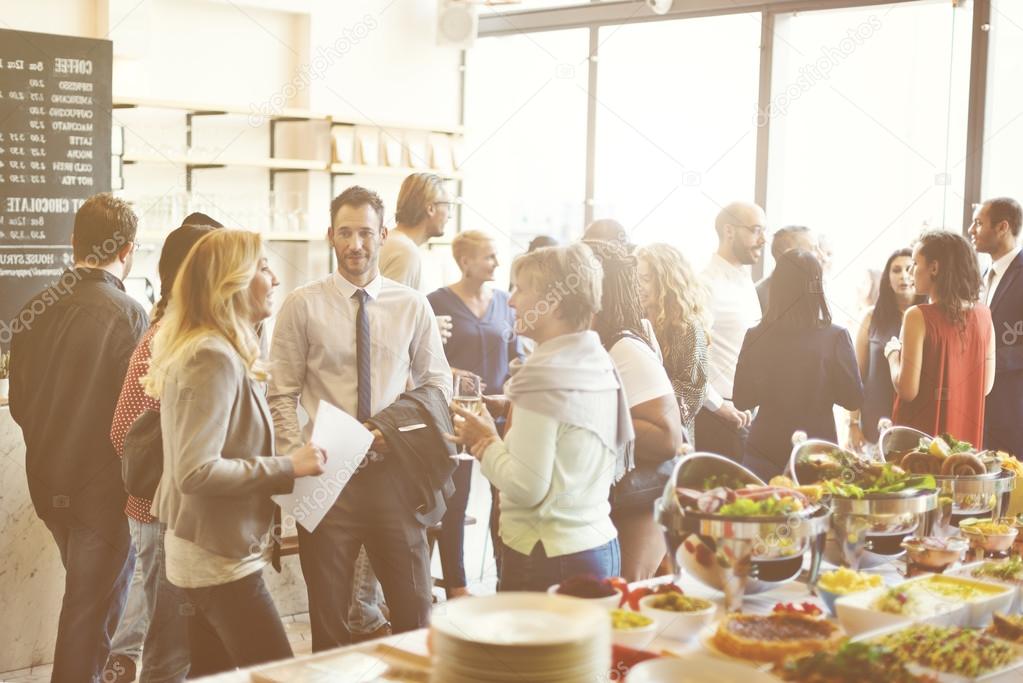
{"x": 103, "y": 225}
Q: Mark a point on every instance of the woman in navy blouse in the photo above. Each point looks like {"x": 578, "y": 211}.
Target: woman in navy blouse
{"x": 794, "y": 367}
{"x": 482, "y": 342}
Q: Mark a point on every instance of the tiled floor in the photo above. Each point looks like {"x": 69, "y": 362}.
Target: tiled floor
{"x": 479, "y": 567}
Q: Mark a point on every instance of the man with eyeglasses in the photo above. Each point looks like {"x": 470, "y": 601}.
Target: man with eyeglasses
{"x": 734, "y": 308}
{"x": 424, "y": 208}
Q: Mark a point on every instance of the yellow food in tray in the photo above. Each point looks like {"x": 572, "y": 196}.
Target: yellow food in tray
{"x": 844, "y": 581}
{"x": 932, "y": 595}
{"x": 962, "y": 590}
{"x": 625, "y": 620}
{"x": 988, "y": 528}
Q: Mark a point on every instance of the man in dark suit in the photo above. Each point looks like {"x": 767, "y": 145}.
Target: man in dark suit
{"x": 995, "y": 231}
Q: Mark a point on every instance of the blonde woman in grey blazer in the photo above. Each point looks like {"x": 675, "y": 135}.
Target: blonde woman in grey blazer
{"x": 219, "y": 463}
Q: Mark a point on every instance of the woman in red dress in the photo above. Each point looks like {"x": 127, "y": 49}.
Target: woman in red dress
{"x": 944, "y": 365}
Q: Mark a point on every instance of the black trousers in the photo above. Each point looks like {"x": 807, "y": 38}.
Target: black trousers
{"x": 369, "y": 512}
{"x": 715, "y": 434}
{"x": 245, "y": 619}
{"x": 451, "y": 542}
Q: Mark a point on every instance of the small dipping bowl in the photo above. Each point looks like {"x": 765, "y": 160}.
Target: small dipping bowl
{"x": 934, "y": 554}
{"x": 636, "y": 637}
{"x": 986, "y": 541}
{"x": 677, "y": 625}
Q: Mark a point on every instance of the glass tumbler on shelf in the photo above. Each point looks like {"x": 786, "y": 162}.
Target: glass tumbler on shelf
{"x": 467, "y": 395}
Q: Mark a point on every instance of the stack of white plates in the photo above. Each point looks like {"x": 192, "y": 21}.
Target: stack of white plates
{"x": 518, "y": 637}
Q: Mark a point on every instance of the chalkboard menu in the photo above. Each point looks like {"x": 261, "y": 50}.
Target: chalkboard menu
{"x": 55, "y": 109}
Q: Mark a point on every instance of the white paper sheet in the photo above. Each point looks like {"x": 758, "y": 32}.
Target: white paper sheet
{"x": 346, "y": 442}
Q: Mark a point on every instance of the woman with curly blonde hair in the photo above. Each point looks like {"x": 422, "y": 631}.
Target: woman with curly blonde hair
{"x": 674, "y": 300}
{"x": 219, "y": 465}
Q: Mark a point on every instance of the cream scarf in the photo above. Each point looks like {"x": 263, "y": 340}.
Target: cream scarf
{"x": 548, "y": 380}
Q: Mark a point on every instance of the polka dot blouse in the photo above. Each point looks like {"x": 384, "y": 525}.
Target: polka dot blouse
{"x": 132, "y": 402}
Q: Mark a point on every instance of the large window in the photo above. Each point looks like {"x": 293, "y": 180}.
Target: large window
{"x": 525, "y": 144}
{"x": 1003, "y": 130}
{"x": 676, "y": 125}
{"x": 866, "y": 120}
{"x": 868, "y": 130}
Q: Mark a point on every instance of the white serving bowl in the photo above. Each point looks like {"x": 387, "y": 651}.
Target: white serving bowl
{"x": 966, "y": 571}
{"x": 981, "y": 609}
{"x": 610, "y": 601}
{"x": 677, "y": 625}
{"x": 636, "y": 638}
{"x": 856, "y": 615}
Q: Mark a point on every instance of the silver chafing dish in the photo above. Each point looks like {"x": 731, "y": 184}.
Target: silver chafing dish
{"x": 868, "y": 531}
{"x": 738, "y": 556}
{"x": 983, "y": 495}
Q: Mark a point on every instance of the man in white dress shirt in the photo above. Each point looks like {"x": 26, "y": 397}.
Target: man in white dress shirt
{"x": 358, "y": 341}
{"x": 734, "y": 308}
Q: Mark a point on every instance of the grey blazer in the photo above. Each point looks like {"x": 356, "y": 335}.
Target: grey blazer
{"x": 219, "y": 468}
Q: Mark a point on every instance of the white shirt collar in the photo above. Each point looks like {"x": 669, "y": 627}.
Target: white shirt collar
{"x": 1002, "y": 264}
{"x": 348, "y": 290}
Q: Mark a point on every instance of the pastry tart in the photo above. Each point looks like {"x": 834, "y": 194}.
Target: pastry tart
{"x": 775, "y": 637}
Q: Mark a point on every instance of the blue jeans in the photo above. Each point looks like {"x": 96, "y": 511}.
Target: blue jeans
{"x": 153, "y": 614}
{"x": 537, "y": 572}
{"x": 366, "y": 613}
{"x": 97, "y": 571}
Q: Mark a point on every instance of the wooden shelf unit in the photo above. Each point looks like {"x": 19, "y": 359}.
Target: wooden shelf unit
{"x": 272, "y": 163}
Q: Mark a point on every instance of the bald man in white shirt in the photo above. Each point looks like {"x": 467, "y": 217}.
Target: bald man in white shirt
{"x": 734, "y": 308}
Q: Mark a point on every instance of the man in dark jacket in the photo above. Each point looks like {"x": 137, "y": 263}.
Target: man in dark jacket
{"x": 995, "y": 231}
{"x": 69, "y": 354}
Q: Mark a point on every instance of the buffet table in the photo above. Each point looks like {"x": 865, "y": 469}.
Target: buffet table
{"x": 414, "y": 643}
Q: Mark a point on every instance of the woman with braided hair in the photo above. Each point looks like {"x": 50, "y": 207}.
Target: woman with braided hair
{"x": 652, "y": 404}
{"x": 944, "y": 364}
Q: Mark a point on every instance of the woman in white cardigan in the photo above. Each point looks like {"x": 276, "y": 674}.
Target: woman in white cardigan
{"x": 569, "y": 436}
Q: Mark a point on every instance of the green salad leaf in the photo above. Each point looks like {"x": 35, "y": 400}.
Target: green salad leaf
{"x": 889, "y": 481}
{"x": 769, "y": 507}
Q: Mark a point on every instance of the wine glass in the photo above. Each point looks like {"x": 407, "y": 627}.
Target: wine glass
{"x": 467, "y": 395}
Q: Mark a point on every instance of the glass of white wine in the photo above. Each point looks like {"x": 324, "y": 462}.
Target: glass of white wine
{"x": 467, "y": 395}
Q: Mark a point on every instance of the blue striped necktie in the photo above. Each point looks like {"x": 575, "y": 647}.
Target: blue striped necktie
{"x": 362, "y": 347}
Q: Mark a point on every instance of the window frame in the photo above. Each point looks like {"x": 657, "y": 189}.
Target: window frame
{"x": 599, "y": 14}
